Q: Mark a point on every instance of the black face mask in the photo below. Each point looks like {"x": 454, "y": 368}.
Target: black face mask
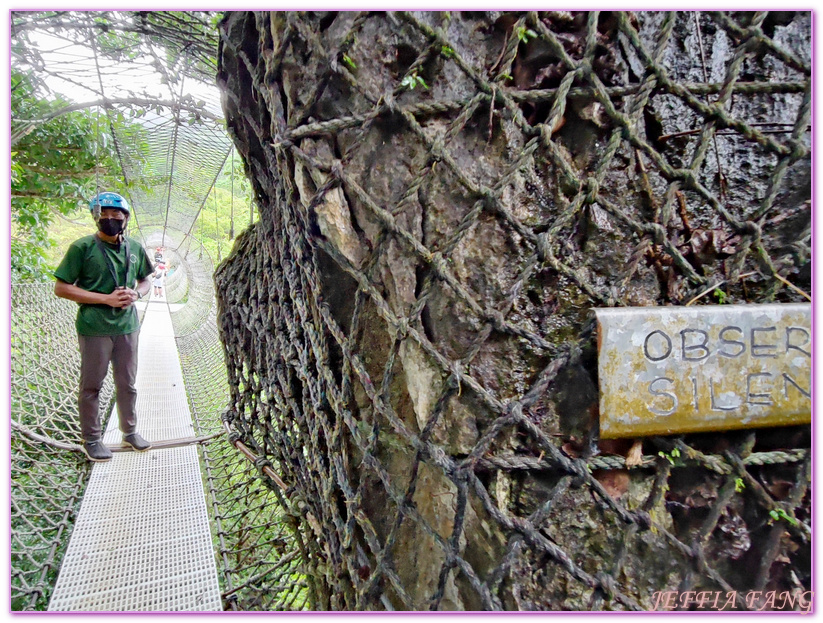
{"x": 110, "y": 226}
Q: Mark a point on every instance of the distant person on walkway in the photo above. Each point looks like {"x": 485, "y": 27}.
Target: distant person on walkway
{"x": 105, "y": 273}
{"x": 157, "y": 279}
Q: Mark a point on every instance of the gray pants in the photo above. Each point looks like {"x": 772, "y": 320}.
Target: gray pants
{"x": 95, "y": 354}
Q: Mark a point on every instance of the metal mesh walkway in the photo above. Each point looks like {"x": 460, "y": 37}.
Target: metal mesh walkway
{"x": 142, "y": 539}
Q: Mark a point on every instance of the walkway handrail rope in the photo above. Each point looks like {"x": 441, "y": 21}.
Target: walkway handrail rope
{"x": 74, "y": 447}
{"x": 712, "y": 462}
{"x": 217, "y": 225}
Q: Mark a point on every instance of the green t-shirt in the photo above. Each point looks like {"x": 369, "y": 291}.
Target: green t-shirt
{"x": 85, "y": 266}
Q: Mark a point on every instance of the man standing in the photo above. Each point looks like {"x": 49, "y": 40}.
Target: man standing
{"x": 105, "y": 273}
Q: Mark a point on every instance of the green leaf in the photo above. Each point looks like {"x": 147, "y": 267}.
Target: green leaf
{"x": 348, "y": 60}
{"x": 411, "y": 81}
{"x": 666, "y": 456}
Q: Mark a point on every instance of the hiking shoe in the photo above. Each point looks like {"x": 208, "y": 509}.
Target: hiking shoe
{"x": 96, "y": 451}
{"x": 137, "y": 442}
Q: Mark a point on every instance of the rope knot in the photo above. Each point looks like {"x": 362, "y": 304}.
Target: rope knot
{"x": 688, "y": 177}
{"x": 234, "y": 437}
{"x": 699, "y": 556}
{"x": 751, "y": 228}
{"x": 490, "y": 200}
{"x": 388, "y": 102}
{"x": 643, "y": 520}
{"x": 260, "y": 462}
{"x": 437, "y": 262}
{"x": 607, "y": 584}
{"x": 337, "y": 169}
{"x": 498, "y": 320}
{"x": 283, "y": 144}
{"x": 456, "y": 370}
{"x": 799, "y": 150}
{"x": 543, "y": 248}
{"x": 437, "y": 150}
{"x": 592, "y": 190}
{"x": 402, "y": 328}
{"x": 658, "y": 233}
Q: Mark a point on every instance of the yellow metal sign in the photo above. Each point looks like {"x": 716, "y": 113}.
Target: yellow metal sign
{"x": 665, "y": 370}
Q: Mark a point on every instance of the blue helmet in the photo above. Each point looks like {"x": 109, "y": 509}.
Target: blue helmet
{"x": 108, "y": 200}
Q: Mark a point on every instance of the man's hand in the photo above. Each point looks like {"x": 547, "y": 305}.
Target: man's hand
{"x": 133, "y": 293}
{"x": 121, "y": 297}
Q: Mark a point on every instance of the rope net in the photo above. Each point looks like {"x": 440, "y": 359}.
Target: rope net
{"x": 47, "y": 483}
{"x": 442, "y": 198}
{"x": 260, "y": 565}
